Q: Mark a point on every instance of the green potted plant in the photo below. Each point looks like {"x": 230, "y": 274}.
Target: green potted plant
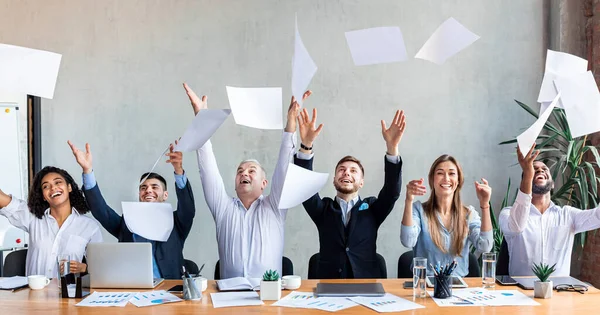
{"x": 542, "y": 288}
{"x": 270, "y": 286}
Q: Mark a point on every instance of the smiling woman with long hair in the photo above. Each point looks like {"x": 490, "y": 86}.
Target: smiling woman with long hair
{"x": 53, "y": 217}
{"x": 442, "y": 228}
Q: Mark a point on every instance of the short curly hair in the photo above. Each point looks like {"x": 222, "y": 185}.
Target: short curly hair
{"x": 37, "y": 204}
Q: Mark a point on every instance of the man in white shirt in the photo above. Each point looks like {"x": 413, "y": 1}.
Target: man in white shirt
{"x": 537, "y": 230}
{"x": 250, "y": 227}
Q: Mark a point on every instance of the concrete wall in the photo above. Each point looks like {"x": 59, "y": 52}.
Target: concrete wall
{"x": 119, "y": 88}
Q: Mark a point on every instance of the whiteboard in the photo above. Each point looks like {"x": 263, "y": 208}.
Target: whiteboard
{"x": 11, "y": 177}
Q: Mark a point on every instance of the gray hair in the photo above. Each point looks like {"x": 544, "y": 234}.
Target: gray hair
{"x": 255, "y": 162}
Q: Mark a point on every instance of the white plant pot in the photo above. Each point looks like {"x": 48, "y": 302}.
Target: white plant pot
{"x": 542, "y": 290}
{"x": 270, "y": 290}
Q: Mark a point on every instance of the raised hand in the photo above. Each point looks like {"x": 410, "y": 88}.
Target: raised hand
{"x": 176, "y": 159}
{"x": 393, "y": 134}
{"x": 415, "y": 188}
{"x": 84, "y": 159}
{"x": 308, "y": 132}
{"x": 484, "y": 193}
{"x": 294, "y": 111}
{"x": 197, "y": 103}
{"x": 526, "y": 161}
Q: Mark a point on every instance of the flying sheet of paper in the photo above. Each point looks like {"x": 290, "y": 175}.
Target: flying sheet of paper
{"x": 496, "y": 297}
{"x": 228, "y": 299}
{"x": 153, "y": 298}
{"x": 387, "y": 303}
{"x": 303, "y": 67}
{"x": 527, "y": 138}
{"x": 299, "y": 185}
{"x": 559, "y": 64}
{"x": 106, "y": 299}
{"x": 151, "y": 220}
{"x": 376, "y": 45}
{"x": 204, "y": 125}
{"x": 28, "y": 71}
{"x": 581, "y": 99}
{"x": 447, "y": 40}
{"x": 256, "y": 107}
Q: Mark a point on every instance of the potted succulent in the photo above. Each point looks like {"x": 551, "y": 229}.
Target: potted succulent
{"x": 542, "y": 288}
{"x": 270, "y": 286}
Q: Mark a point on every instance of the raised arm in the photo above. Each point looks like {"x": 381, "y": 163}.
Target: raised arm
{"x": 514, "y": 220}
{"x": 410, "y": 229}
{"x": 286, "y": 152}
{"x": 16, "y": 211}
{"x": 481, "y": 239}
{"x": 484, "y": 194}
{"x": 107, "y": 217}
{"x": 212, "y": 182}
{"x": 186, "y": 207}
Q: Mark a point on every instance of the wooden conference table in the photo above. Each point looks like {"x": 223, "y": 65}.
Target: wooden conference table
{"x": 48, "y": 301}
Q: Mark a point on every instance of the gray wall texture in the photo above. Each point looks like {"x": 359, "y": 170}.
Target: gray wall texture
{"x": 119, "y": 88}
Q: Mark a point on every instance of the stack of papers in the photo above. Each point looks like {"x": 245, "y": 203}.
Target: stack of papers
{"x": 229, "y": 299}
{"x": 13, "y": 283}
{"x": 308, "y": 300}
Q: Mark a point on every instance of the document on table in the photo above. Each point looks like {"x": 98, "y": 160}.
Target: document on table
{"x": 105, "y": 299}
{"x": 151, "y": 220}
{"x": 387, "y": 303}
{"x": 299, "y": 185}
{"x": 12, "y": 282}
{"x": 496, "y": 297}
{"x": 453, "y": 301}
{"x": 228, "y": 299}
{"x": 307, "y": 300}
{"x": 153, "y": 298}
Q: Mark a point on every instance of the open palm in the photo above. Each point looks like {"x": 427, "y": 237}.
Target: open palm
{"x": 308, "y": 132}
{"x": 84, "y": 159}
{"x": 197, "y": 103}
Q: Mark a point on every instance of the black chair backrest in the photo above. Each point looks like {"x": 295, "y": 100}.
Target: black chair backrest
{"x": 14, "y": 264}
{"x": 404, "y": 262}
{"x": 474, "y": 270}
{"x": 191, "y": 267}
{"x": 313, "y": 266}
{"x": 287, "y": 268}
{"x": 503, "y": 260}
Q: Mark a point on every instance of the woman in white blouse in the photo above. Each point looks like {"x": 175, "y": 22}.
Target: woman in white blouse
{"x": 53, "y": 217}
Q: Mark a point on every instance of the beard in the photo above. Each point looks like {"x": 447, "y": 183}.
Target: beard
{"x": 345, "y": 190}
{"x": 542, "y": 190}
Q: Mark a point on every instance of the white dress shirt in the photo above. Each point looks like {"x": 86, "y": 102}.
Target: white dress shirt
{"x": 47, "y": 240}
{"x": 533, "y": 237}
{"x": 250, "y": 241}
{"x": 346, "y": 207}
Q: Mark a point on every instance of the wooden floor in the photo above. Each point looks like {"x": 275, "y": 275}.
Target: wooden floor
{"x": 48, "y": 301}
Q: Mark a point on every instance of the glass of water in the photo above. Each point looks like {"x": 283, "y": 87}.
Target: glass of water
{"x": 64, "y": 265}
{"x": 488, "y": 270}
{"x": 419, "y": 277}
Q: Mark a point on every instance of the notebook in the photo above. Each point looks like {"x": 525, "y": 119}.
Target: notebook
{"x": 349, "y": 289}
{"x": 238, "y": 284}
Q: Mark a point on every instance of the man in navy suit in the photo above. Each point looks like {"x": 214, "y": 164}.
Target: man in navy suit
{"x": 348, "y": 224}
{"x": 167, "y": 257}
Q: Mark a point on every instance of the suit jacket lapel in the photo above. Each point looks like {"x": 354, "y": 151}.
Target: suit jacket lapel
{"x": 354, "y": 217}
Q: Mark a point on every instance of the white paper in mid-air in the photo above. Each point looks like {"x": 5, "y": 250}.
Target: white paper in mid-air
{"x": 259, "y": 108}
{"x": 28, "y": 71}
{"x": 303, "y": 67}
{"x": 150, "y": 220}
{"x": 447, "y": 40}
{"x": 581, "y": 100}
{"x": 559, "y": 64}
{"x": 299, "y": 185}
{"x": 204, "y": 125}
{"x": 376, "y": 45}
{"x": 527, "y": 138}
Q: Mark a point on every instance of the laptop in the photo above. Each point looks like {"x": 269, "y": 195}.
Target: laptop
{"x": 121, "y": 265}
{"x": 526, "y": 283}
{"x": 349, "y": 289}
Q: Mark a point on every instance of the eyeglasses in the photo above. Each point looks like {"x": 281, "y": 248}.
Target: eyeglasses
{"x": 571, "y": 287}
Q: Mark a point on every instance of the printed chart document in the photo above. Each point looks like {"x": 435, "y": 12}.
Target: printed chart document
{"x": 496, "y": 297}
{"x": 448, "y": 39}
{"x": 299, "y": 185}
{"x": 12, "y": 282}
{"x": 228, "y": 299}
{"x": 204, "y": 125}
{"x": 153, "y": 298}
{"x": 151, "y": 220}
{"x": 238, "y": 284}
{"x": 259, "y": 108}
{"x": 376, "y": 45}
{"x": 106, "y": 299}
{"x": 303, "y": 67}
{"x": 387, "y": 303}
{"x": 307, "y": 300}
{"x": 454, "y": 300}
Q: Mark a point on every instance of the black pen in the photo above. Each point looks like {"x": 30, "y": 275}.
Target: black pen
{"x": 199, "y": 271}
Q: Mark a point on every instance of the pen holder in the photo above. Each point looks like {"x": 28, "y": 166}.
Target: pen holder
{"x": 442, "y": 288}
{"x": 190, "y": 289}
{"x": 70, "y": 291}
